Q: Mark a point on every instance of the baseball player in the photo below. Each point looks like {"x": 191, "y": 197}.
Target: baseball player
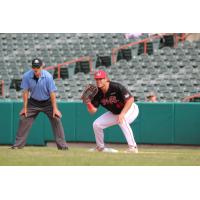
{"x": 121, "y": 108}
{"x": 39, "y": 84}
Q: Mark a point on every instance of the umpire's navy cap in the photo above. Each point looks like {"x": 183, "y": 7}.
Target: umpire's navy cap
{"x": 37, "y": 63}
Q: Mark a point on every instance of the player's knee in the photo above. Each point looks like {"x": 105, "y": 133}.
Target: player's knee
{"x": 96, "y": 125}
{"x": 22, "y": 117}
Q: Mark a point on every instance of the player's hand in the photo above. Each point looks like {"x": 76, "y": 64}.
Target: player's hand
{"x": 120, "y": 118}
{"x": 56, "y": 113}
{"x": 23, "y": 112}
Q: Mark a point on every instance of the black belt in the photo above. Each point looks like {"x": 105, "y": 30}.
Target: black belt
{"x": 43, "y": 101}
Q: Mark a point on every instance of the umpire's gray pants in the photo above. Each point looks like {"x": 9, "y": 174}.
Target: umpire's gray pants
{"x": 25, "y": 123}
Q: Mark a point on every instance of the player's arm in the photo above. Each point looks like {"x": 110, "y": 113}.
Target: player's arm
{"x": 25, "y": 95}
{"x": 91, "y": 108}
{"x": 56, "y": 112}
{"x": 127, "y": 106}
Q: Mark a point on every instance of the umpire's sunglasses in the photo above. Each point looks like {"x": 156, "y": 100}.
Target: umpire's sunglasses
{"x": 36, "y": 67}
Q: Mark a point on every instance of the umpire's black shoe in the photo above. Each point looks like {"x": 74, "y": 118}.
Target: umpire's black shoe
{"x": 15, "y": 147}
{"x": 63, "y": 148}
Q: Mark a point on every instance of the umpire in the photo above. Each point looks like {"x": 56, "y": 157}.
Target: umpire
{"x": 39, "y": 83}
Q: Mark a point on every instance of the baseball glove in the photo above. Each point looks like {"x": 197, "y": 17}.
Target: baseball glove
{"x": 88, "y": 93}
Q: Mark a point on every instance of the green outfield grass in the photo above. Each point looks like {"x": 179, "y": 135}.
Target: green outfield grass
{"x": 79, "y": 156}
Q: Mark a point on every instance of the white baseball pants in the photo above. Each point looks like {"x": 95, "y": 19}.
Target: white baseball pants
{"x": 109, "y": 119}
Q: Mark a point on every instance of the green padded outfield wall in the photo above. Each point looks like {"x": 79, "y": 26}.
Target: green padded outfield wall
{"x": 187, "y": 123}
{"x": 6, "y": 123}
{"x": 84, "y": 121}
{"x": 157, "y": 123}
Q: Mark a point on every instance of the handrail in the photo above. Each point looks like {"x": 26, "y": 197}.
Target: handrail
{"x": 84, "y": 58}
{"x": 145, "y": 41}
{"x": 114, "y": 50}
{"x": 178, "y": 38}
{"x": 187, "y": 98}
{"x": 2, "y": 88}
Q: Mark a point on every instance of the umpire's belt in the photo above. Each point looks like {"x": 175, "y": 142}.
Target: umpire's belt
{"x": 36, "y": 101}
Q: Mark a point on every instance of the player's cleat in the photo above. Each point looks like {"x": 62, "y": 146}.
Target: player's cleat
{"x": 96, "y": 149}
{"x": 105, "y": 150}
{"x": 131, "y": 150}
{"x": 110, "y": 150}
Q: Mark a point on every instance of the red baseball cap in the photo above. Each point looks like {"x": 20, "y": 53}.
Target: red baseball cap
{"x": 100, "y": 74}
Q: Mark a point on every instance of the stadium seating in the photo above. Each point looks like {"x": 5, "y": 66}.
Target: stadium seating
{"x": 172, "y": 73}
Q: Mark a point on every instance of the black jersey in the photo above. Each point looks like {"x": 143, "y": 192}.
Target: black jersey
{"x": 114, "y": 99}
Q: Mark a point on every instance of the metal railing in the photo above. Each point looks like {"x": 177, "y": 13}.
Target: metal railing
{"x": 145, "y": 41}
{"x": 180, "y": 38}
{"x": 2, "y": 88}
{"x": 115, "y": 50}
{"x": 85, "y": 58}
